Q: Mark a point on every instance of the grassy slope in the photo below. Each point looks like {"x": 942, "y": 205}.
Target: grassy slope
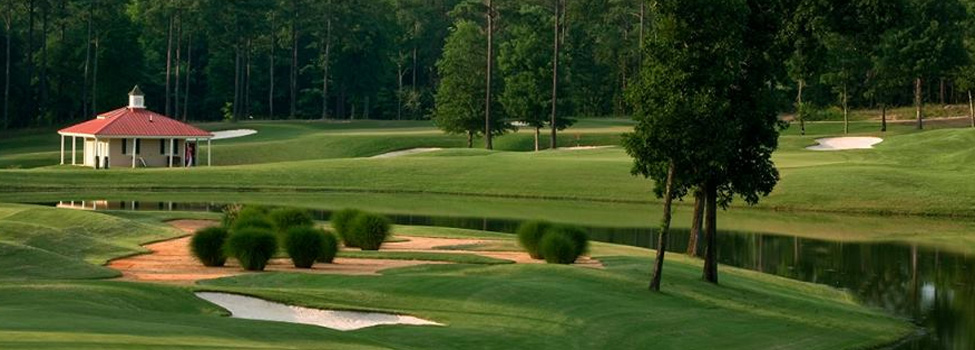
{"x": 490, "y": 307}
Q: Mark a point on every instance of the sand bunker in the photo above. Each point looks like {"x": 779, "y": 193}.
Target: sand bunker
{"x": 406, "y": 152}
{"x": 258, "y": 309}
{"x": 845, "y": 143}
{"x": 229, "y": 134}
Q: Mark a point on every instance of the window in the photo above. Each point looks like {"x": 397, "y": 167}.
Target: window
{"x": 162, "y": 146}
{"x": 125, "y": 146}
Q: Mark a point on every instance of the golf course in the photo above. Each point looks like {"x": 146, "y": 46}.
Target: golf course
{"x": 59, "y": 291}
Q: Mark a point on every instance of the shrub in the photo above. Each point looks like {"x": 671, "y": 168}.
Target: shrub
{"x": 577, "y": 235}
{"x": 230, "y": 213}
{"x": 558, "y": 248}
{"x": 530, "y": 234}
{"x": 207, "y": 246}
{"x": 304, "y": 245}
{"x": 252, "y": 247}
{"x": 285, "y": 219}
{"x": 330, "y": 247}
{"x": 340, "y": 222}
{"x": 368, "y": 230}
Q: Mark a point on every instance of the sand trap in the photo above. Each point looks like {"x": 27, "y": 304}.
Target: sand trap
{"x": 407, "y": 152}
{"x": 229, "y": 134}
{"x": 258, "y": 309}
{"x": 845, "y": 143}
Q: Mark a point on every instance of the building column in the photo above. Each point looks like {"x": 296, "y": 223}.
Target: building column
{"x": 208, "y": 152}
{"x": 62, "y": 149}
{"x": 135, "y": 142}
{"x": 170, "y": 152}
{"x": 74, "y": 151}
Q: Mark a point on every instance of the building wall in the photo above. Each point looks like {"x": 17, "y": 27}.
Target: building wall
{"x": 148, "y": 152}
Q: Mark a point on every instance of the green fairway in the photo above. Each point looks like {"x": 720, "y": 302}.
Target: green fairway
{"x": 482, "y": 306}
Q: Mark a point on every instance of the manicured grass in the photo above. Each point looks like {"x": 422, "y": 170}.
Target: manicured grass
{"x": 483, "y": 306}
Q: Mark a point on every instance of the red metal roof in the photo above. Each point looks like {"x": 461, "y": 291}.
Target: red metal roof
{"x": 135, "y": 122}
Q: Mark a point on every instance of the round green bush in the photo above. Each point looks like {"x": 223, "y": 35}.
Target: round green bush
{"x": 304, "y": 245}
{"x": 207, "y": 246}
{"x": 340, "y": 222}
{"x": 252, "y": 247}
{"x": 577, "y": 234}
{"x": 245, "y": 222}
{"x": 558, "y": 248}
{"x": 285, "y": 219}
{"x": 330, "y": 247}
{"x": 530, "y": 234}
{"x": 369, "y": 230}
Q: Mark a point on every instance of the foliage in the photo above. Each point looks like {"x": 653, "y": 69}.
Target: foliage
{"x": 529, "y": 234}
{"x": 304, "y": 245}
{"x": 284, "y": 219}
{"x": 230, "y": 214}
{"x": 252, "y": 247}
{"x": 559, "y": 248}
{"x": 207, "y": 246}
{"x": 575, "y": 233}
{"x": 369, "y": 230}
{"x": 330, "y": 247}
{"x": 342, "y": 221}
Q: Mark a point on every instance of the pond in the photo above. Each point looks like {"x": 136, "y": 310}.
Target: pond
{"x": 934, "y": 288}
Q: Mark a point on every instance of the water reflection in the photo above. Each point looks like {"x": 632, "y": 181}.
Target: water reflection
{"x": 935, "y": 289}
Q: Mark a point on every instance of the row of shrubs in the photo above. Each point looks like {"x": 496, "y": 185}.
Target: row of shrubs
{"x": 557, "y": 244}
{"x": 253, "y": 235}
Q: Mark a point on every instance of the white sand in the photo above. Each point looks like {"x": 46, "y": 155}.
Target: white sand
{"x": 258, "y": 309}
{"x": 406, "y": 152}
{"x": 229, "y": 134}
{"x": 845, "y": 143}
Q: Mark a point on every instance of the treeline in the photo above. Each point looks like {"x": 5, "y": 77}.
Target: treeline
{"x": 67, "y": 60}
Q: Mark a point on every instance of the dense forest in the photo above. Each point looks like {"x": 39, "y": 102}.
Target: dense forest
{"x": 66, "y": 60}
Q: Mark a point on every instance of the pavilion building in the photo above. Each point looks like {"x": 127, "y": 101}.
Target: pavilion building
{"x": 134, "y": 136}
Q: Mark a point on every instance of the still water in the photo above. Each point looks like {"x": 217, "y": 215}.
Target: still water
{"x": 935, "y": 289}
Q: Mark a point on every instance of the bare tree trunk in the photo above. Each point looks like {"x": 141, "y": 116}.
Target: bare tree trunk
{"x": 94, "y": 77}
{"x": 236, "y": 106}
{"x": 918, "y": 101}
{"x": 941, "y": 91}
{"x": 846, "y": 112}
{"x": 799, "y": 108}
{"x": 399, "y": 89}
{"x": 710, "y": 234}
{"x": 30, "y": 57}
{"x": 971, "y": 106}
{"x": 270, "y": 69}
{"x": 696, "y": 222}
{"x": 169, "y": 62}
{"x": 294, "y": 58}
{"x": 553, "y": 142}
{"x": 84, "y": 89}
{"x": 179, "y": 44}
{"x": 490, "y": 62}
{"x": 42, "y": 79}
{"x": 537, "y": 135}
{"x": 470, "y": 139}
{"x": 7, "y": 19}
{"x": 326, "y": 61}
{"x": 247, "y": 79}
{"x": 189, "y": 70}
{"x": 413, "y": 85}
{"x": 658, "y": 265}
{"x": 883, "y": 117}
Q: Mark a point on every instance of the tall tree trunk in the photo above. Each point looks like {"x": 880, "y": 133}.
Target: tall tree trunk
{"x": 247, "y": 79}
{"x": 658, "y": 265}
{"x": 236, "y": 106}
{"x": 971, "y": 108}
{"x": 918, "y": 103}
{"x": 413, "y": 85}
{"x": 941, "y": 91}
{"x": 696, "y": 222}
{"x": 94, "y": 76}
{"x": 179, "y": 44}
{"x": 883, "y": 117}
{"x": 7, "y": 19}
{"x": 326, "y": 61}
{"x": 799, "y": 108}
{"x": 169, "y": 62}
{"x": 470, "y": 139}
{"x": 42, "y": 77}
{"x": 710, "y": 234}
{"x": 294, "y": 59}
{"x": 189, "y": 72}
{"x": 30, "y": 57}
{"x": 846, "y": 112}
{"x": 84, "y": 93}
{"x": 399, "y": 89}
{"x": 553, "y": 142}
{"x": 490, "y": 63}
{"x": 270, "y": 69}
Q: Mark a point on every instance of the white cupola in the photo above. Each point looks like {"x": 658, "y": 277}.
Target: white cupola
{"x": 136, "y": 98}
